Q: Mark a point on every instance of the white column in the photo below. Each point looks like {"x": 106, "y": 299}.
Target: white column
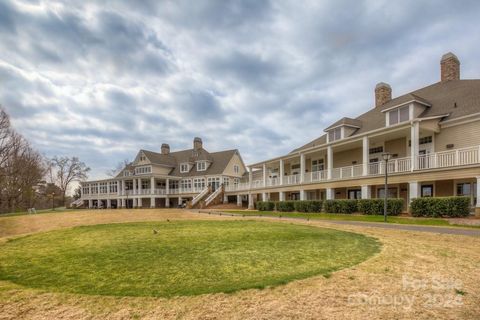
{"x": 139, "y": 202}
{"x": 330, "y": 194}
{"x": 152, "y": 202}
{"x": 366, "y": 192}
{"x": 302, "y": 168}
{"x": 118, "y": 190}
{"x": 365, "y": 149}
{"x": 250, "y": 177}
{"x": 281, "y": 171}
{"x": 250, "y": 201}
{"x": 264, "y": 175}
{"x": 302, "y": 195}
{"x": 281, "y": 196}
{"x": 167, "y": 186}
{"x": 239, "y": 200}
{"x": 109, "y": 204}
{"x": 123, "y": 203}
{"x": 413, "y": 190}
{"x": 329, "y": 162}
{"x": 108, "y": 187}
{"x": 90, "y": 189}
{"x": 139, "y": 185}
{"x": 167, "y": 202}
{"x": 134, "y": 186}
{"x": 152, "y": 185}
{"x": 414, "y": 135}
{"x": 90, "y": 203}
{"x": 225, "y": 198}
{"x": 264, "y": 196}
{"x": 180, "y": 200}
{"x": 123, "y": 188}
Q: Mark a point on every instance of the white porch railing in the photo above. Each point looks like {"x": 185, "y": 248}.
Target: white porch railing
{"x": 451, "y": 158}
{"x": 292, "y": 179}
{"x": 212, "y": 196}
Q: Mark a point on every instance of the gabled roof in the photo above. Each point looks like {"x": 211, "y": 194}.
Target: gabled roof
{"x": 349, "y": 122}
{"x": 454, "y": 98}
{"x": 161, "y": 159}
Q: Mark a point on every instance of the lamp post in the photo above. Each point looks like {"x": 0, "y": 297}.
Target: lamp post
{"x": 53, "y": 200}
{"x": 386, "y": 156}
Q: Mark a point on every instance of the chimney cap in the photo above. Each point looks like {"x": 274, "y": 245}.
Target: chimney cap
{"x": 165, "y": 145}
{"x": 197, "y": 139}
{"x": 382, "y": 85}
{"x": 449, "y": 55}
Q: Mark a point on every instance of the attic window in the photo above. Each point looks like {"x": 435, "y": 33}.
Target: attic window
{"x": 183, "y": 167}
{"x": 201, "y": 165}
{"x": 398, "y": 115}
{"x": 143, "y": 158}
{"x": 335, "y": 134}
{"x": 236, "y": 169}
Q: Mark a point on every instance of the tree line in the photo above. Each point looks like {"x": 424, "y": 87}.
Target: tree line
{"x": 28, "y": 179}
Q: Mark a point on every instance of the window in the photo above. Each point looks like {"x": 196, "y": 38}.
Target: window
{"x": 184, "y": 167}
{"x": 113, "y": 187}
{"x": 335, "y": 134}
{"x": 464, "y": 189}
{"x": 199, "y": 183}
{"x": 355, "y": 194}
{"x": 392, "y": 193}
{"x": 427, "y": 191}
{"x": 186, "y": 184}
{"x": 425, "y": 140}
{"x": 127, "y": 173}
{"x": 399, "y": 115}
{"x": 236, "y": 169}
{"x": 143, "y": 170}
{"x": 317, "y": 165}
{"x": 375, "y": 150}
{"x": 201, "y": 165}
{"x": 226, "y": 181}
{"x": 143, "y": 158}
{"x": 103, "y": 187}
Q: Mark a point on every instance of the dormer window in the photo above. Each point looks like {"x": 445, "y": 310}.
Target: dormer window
{"x": 398, "y": 115}
{"x": 143, "y": 158}
{"x": 236, "y": 169}
{"x": 184, "y": 167}
{"x": 201, "y": 165}
{"x": 335, "y": 134}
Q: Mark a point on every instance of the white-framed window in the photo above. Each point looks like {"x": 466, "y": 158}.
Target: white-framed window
{"x": 186, "y": 184}
{"x": 199, "y": 183}
{"x": 143, "y": 158}
{"x": 236, "y": 169}
{"x": 143, "y": 170}
{"x": 184, "y": 167}
{"x": 103, "y": 187}
{"x": 127, "y": 173}
{"x": 95, "y": 188}
{"x": 335, "y": 134}
{"x": 398, "y": 115}
{"x": 226, "y": 181}
{"x": 236, "y": 181}
{"x": 295, "y": 168}
{"x": 201, "y": 165}
{"x": 113, "y": 187}
{"x": 317, "y": 165}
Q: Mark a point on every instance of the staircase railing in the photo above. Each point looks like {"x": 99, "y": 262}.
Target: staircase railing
{"x": 77, "y": 203}
{"x": 213, "y": 196}
{"x": 199, "y": 196}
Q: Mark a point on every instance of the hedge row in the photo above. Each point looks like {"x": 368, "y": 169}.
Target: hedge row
{"x": 290, "y": 206}
{"x": 365, "y": 206}
{"x": 441, "y": 207}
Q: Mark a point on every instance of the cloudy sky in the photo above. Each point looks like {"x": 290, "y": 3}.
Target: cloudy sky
{"x": 102, "y": 81}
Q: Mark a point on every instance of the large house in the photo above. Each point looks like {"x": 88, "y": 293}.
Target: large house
{"x": 167, "y": 179}
{"x": 432, "y": 135}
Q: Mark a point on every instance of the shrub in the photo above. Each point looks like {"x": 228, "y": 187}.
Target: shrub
{"x": 440, "y": 206}
{"x": 286, "y": 206}
{"x": 375, "y": 206}
{"x": 265, "y": 205}
{"x": 308, "y": 206}
{"x": 340, "y": 206}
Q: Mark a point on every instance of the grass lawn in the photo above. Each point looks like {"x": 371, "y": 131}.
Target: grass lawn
{"x": 350, "y": 217}
{"x": 184, "y": 258}
{"x": 21, "y": 213}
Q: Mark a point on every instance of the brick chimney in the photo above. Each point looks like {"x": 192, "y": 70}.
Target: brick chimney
{"x": 197, "y": 143}
{"x": 449, "y": 67}
{"x": 383, "y": 94}
{"x": 165, "y": 148}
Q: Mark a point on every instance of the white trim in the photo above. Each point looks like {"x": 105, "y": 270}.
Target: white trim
{"x": 462, "y": 117}
{"x": 405, "y": 103}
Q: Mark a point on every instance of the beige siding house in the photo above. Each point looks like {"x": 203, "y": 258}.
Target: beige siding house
{"x": 432, "y": 135}
{"x": 166, "y": 179}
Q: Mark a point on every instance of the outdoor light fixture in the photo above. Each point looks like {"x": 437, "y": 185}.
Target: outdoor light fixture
{"x": 386, "y": 157}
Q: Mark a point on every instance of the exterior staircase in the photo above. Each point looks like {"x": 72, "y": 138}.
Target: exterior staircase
{"x": 197, "y": 201}
{"x": 215, "y": 197}
{"x": 77, "y": 203}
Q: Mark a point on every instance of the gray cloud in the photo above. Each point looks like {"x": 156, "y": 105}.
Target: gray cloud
{"x": 101, "y": 80}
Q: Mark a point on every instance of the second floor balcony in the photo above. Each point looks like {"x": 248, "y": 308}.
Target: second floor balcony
{"x": 438, "y": 160}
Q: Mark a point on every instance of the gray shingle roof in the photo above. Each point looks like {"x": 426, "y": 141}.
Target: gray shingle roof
{"x": 218, "y": 160}
{"x": 457, "y": 98}
{"x": 346, "y": 122}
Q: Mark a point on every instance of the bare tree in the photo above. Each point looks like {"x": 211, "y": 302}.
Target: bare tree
{"x": 119, "y": 167}
{"x": 66, "y": 170}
